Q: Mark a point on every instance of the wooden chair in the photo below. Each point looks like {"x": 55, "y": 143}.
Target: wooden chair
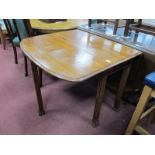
{"x": 148, "y": 92}
{"x": 18, "y": 29}
{"x": 144, "y": 28}
{"x": 13, "y": 36}
{"x": 24, "y": 29}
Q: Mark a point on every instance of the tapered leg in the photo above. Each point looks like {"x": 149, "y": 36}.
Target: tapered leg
{"x": 99, "y": 97}
{"x": 37, "y": 88}
{"x": 121, "y": 87}
{"x": 15, "y": 54}
{"x": 26, "y": 66}
{"x": 139, "y": 109}
{"x": 40, "y": 76}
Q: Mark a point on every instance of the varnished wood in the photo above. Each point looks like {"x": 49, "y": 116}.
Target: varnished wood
{"x": 26, "y": 66}
{"x": 99, "y": 97}
{"x": 121, "y": 87}
{"x": 153, "y": 93}
{"x": 147, "y": 112}
{"x": 40, "y": 76}
{"x": 75, "y": 55}
{"x": 139, "y": 114}
{"x": 44, "y": 27}
{"x": 139, "y": 109}
{"x": 37, "y": 88}
{"x": 53, "y": 20}
{"x": 141, "y": 130}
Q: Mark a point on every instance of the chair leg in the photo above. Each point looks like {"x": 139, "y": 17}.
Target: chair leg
{"x": 15, "y": 54}
{"x": 116, "y": 26}
{"x": 89, "y": 22}
{"x": 139, "y": 109}
{"x": 135, "y": 37}
{"x": 3, "y": 40}
{"x": 26, "y": 66}
{"x": 128, "y": 22}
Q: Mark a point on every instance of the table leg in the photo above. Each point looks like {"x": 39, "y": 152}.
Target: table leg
{"x": 37, "y": 89}
{"x": 40, "y": 76}
{"x": 99, "y": 97}
{"x": 26, "y": 65}
{"x": 121, "y": 87}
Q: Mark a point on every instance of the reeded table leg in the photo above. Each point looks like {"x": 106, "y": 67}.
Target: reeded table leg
{"x": 121, "y": 87}
{"x": 99, "y": 97}
{"x": 37, "y": 88}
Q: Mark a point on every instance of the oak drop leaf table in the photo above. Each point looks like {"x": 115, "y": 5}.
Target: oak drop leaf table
{"x": 75, "y": 56}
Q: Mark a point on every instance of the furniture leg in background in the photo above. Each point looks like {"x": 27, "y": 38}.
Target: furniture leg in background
{"x": 116, "y": 26}
{"x": 128, "y": 22}
{"x": 2, "y": 38}
{"x": 121, "y": 87}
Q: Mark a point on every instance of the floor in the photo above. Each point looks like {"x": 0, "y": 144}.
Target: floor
{"x": 69, "y": 106}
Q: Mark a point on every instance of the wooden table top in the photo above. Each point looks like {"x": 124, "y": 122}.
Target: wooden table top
{"x": 58, "y": 26}
{"x": 75, "y": 55}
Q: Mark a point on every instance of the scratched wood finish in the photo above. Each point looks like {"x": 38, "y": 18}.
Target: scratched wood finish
{"x": 75, "y": 55}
